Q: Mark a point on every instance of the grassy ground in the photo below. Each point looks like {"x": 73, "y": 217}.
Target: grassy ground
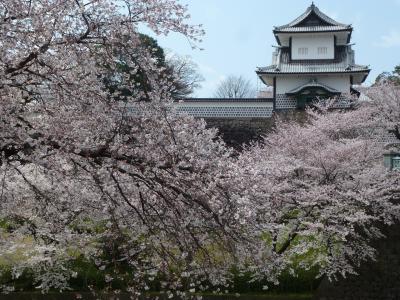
{"x": 291, "y": 287}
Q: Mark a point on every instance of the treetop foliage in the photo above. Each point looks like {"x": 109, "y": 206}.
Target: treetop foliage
{"x": 389, "y": 77}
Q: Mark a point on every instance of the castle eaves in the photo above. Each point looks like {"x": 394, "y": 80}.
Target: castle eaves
{"x": 311, "y": 68}
{"x": 313, "y": 29}
{"x": 343, "y": 63}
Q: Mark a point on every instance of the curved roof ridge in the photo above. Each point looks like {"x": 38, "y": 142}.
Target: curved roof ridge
{"x": 298, "y": 19}
{"x": 313, "y": 84}
{"x": 307, "y": 13}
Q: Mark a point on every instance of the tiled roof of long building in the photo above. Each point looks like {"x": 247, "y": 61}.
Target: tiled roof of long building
{"x": 199, "y": 100}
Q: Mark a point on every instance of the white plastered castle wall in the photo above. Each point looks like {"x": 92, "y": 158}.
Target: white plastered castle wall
{"x": 317, "y": 47}
{"x": 285, "y": 84}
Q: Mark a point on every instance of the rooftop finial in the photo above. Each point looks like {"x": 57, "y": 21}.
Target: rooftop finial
{"x": 312, "y": 4}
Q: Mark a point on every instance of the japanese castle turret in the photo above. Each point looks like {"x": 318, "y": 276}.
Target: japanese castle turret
{"x": 313, "y": 59}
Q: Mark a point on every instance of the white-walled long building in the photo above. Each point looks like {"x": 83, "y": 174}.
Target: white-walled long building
{"x": 313, "y": 58}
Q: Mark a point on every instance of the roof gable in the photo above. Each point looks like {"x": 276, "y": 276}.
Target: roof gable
{"x": 313, "y": 20}
{"x": 313, "y": 17}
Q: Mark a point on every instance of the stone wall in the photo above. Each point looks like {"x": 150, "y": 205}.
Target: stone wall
{"x": 379, "y": 280}
{"x": 235, "y": 132}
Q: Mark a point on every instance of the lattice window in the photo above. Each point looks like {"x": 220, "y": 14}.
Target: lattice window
{"x": 303, "y": 51}
{"x": 322, "y": 50}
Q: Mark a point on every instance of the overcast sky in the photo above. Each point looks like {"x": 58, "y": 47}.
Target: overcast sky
{"x": 239, "y": 34}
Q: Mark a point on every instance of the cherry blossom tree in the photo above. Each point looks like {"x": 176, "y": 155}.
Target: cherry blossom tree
{"x": 385, "y": 100}
{"x": 148, "y": 195}
{"x": 318, "y": 191}
{"x": 120, "y": 181}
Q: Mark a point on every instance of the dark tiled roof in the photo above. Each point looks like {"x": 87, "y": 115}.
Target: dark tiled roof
{"x": 312, "y": 29}
{"x": 341, "y": 64}
{"x": 312, "y": 20}
{"x": 199, "y": 100}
